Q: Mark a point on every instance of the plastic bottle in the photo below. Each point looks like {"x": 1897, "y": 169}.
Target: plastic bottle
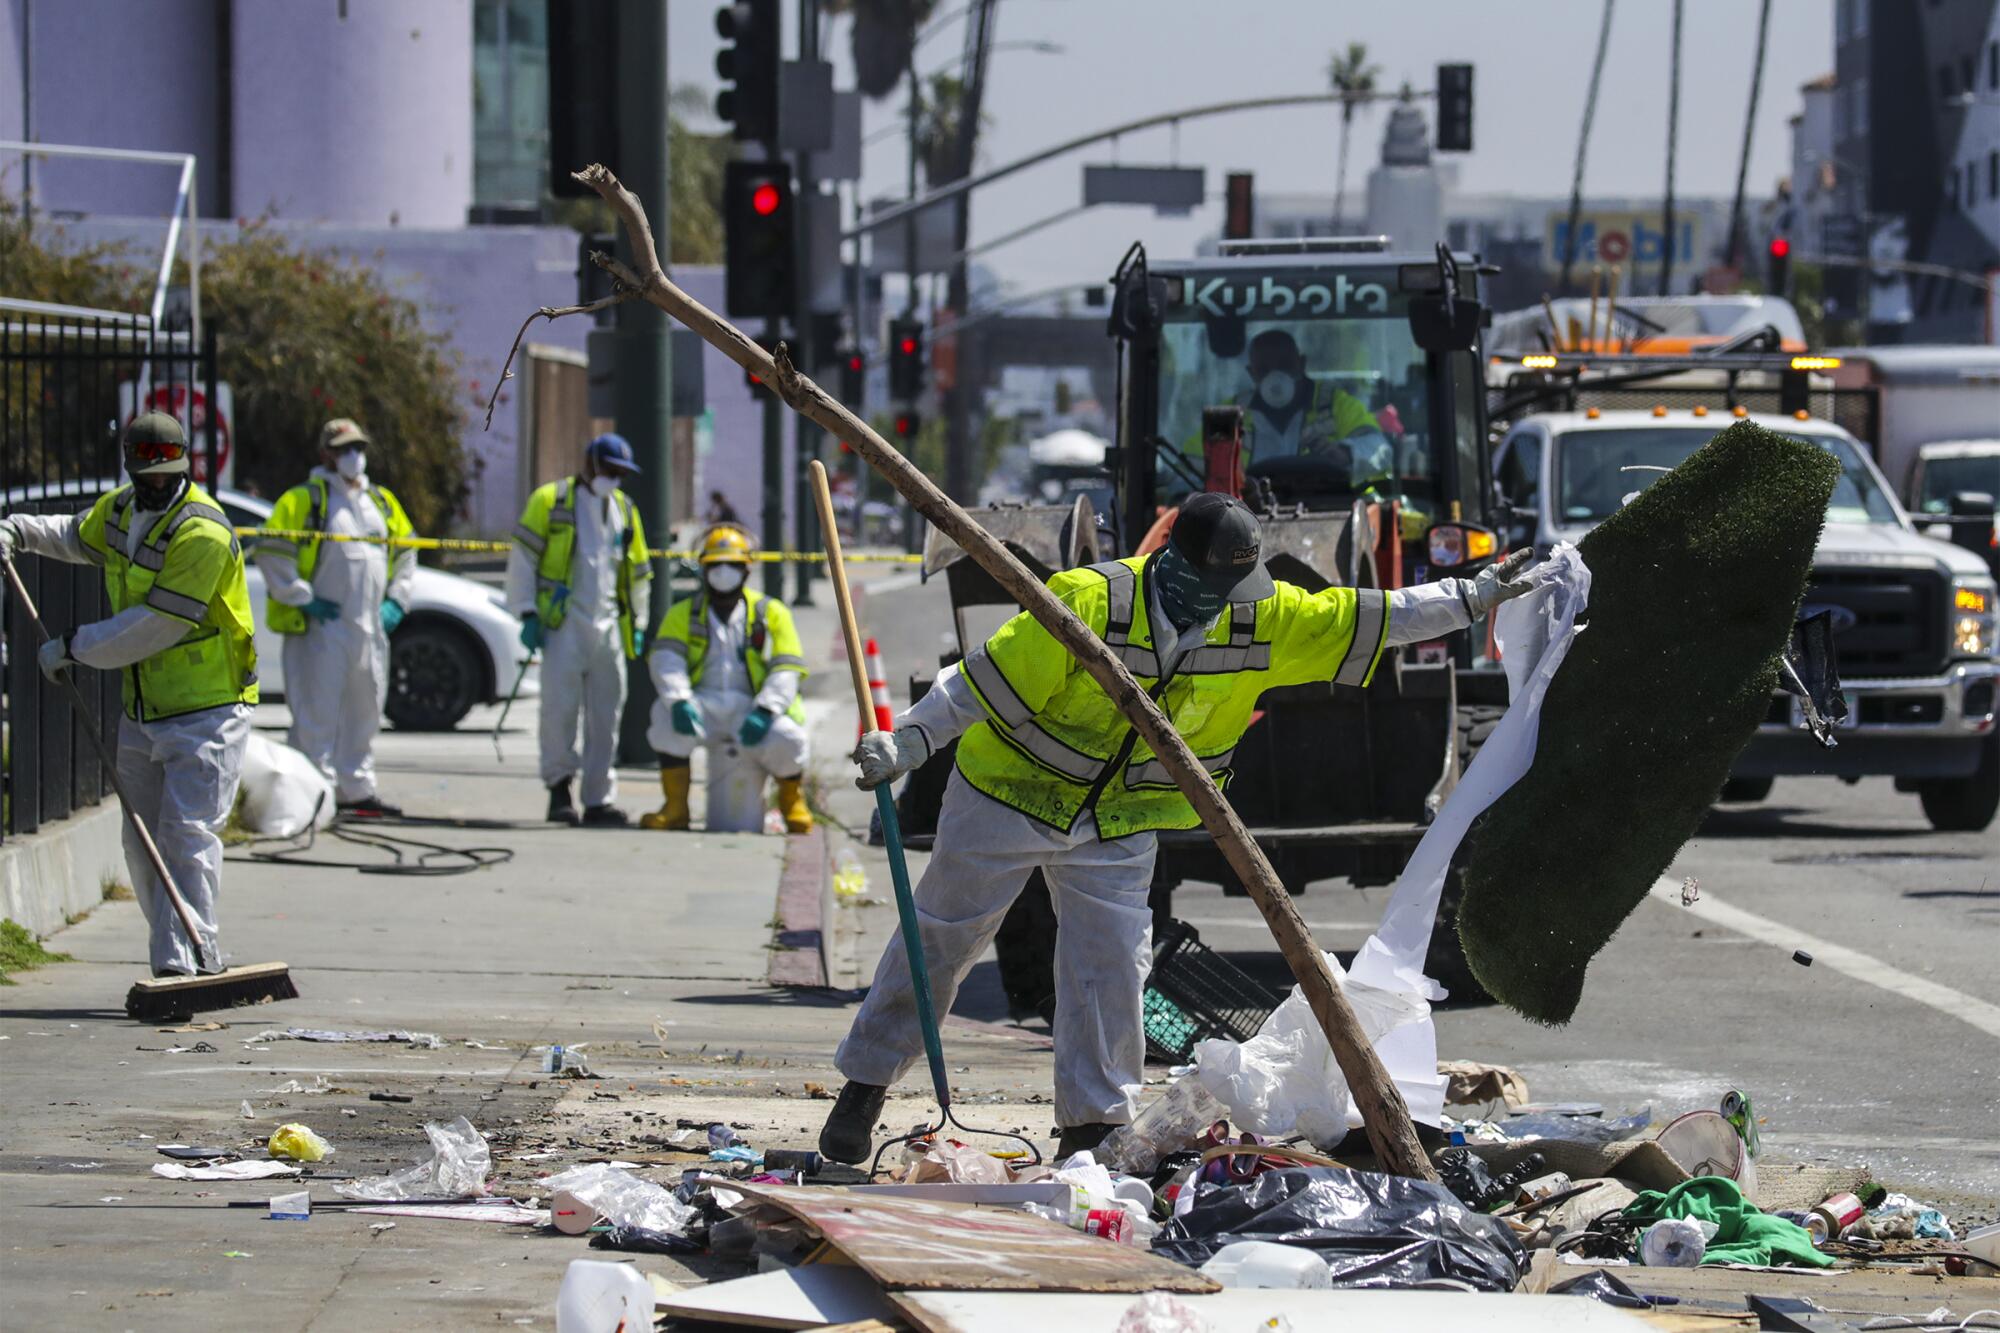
{"x": 1169, "y": 1124}
{"x": 1261, "y": 1263}
{"x": 599, "y": 1297}
{"x": 1676, "y": 1242}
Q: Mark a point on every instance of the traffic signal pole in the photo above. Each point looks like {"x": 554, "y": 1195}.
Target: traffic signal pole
{"x": 805, "y": 526}
{"x": 642, "y": 364}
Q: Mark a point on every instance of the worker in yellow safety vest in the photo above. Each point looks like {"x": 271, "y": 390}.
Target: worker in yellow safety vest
{"x": 335, "y": 604}
{"x": 1051, "y": 776}
{"x": 580, "y": 580}
{"x": 727, "y": 666}
{"x": 180, "y": 635}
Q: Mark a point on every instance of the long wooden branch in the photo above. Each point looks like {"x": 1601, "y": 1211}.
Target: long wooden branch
{"x": 1383, "y": 1111}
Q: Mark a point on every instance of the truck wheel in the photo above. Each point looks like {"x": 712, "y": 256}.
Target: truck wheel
{"x": 1445, "y": 961}
{"x": 1026, "y": 946}
{"x": 1965, "y": 805}
{"x": 434, "y": 675}
{"x": 1747, "y": 791}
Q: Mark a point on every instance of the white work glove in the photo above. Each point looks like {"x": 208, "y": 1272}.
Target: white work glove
{"x": 54, "y": 659}
{"x": 10, "y": 539}
{"x": 884, "y": 756}
{"x": 1498, "y": 583}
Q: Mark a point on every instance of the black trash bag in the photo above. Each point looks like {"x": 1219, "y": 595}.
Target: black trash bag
{"x": 641, "y": 1240}
{"x": 1372, "y": 1230}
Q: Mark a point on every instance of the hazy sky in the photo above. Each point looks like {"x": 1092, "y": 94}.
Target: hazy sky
{"x": 1125, "y": 59}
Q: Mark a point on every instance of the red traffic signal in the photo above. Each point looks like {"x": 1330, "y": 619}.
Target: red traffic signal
{"x": 1780, "y": 247}
{"x": 764, "y": 200}
{"x": 906, "y": 425}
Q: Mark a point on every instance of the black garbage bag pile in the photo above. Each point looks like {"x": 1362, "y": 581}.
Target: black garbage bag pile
{"x": 1372, "y": 1230}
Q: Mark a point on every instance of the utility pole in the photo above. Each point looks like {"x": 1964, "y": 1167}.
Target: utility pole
{"x": 806, "y": 356}
{"x": 773, "y": 524}
{"x": 642, "y": 358}
{"x": 959, "y": 483}
{"x": 910, "y": 264}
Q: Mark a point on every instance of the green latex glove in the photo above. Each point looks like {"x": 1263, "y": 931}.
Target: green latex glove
{"x": 322, "y": 610}
{"x": 687, "y": 717}
{"x": 531, "y": 632}
{"x": 392, "y": 615}
{"x": 638, "y": 641}
{"x": 756, "y": 726}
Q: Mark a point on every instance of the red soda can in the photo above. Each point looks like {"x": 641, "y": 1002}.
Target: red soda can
{"x": 1838, "y": 1213}
{"x": 1110, "y": 1223}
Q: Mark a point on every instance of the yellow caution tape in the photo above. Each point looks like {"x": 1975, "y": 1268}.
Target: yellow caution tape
{"x": 500, "y": 548}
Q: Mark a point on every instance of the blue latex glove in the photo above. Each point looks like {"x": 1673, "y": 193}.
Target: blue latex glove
{"x": 687, "y": 717}
{"x": 638, "y": 641}
{"x": 392, "y": 615}
{"x": 531, "y": 632}
{"x": 756, "y": 726}
{"x": 322, "y": 610}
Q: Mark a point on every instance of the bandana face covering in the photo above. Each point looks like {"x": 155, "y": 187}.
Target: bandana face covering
{"x": 1184, "y": 596}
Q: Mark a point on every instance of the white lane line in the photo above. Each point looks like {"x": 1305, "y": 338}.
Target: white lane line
{"x": 1849, "y": 962}
{"x": 1257, "y": 923}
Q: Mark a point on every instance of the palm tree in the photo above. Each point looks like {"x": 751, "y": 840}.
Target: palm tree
{"x": 1354, "y": 79}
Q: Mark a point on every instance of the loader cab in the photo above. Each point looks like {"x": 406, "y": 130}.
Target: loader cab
{"x": 1352, "y": 385}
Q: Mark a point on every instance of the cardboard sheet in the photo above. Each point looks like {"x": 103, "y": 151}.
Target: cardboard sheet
{"x": 1063, "y": 1312}
{"x": 813, "y": 1296}
{"x": 915, "y": 1243}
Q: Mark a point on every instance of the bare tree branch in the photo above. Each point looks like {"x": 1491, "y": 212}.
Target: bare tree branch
{"x": 617, "y": 297}
{"x": 1383, "y": 1111}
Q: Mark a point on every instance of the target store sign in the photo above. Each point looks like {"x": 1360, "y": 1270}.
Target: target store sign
{"x": 189, "y": 404}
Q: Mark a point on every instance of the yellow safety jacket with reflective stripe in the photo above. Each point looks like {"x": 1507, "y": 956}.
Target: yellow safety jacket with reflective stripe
{"x": 1053, "y": 745}
{"x": 190, "y": 567}
{"x": 770, "y": 640}
{"x": 303, "y": 509}
{"x": 547, "y": 531}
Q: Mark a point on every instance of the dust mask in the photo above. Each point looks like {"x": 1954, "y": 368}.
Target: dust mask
{"x": 351, "y": 464}
{"x": 1278, "y": 389}
{"x": 602, "y": 486}
{"x": 726, "y": 578}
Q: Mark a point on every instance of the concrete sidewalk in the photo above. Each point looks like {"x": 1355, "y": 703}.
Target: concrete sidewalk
{"x": 648, "y": 950}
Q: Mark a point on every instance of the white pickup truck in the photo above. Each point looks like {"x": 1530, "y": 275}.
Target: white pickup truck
{"x": 1914, "y": 617}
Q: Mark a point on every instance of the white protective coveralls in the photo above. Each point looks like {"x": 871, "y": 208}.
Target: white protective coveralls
{"x": 337, "y": 672}
{"x": 981, "y": 860}
{"x": 180, "y": 772}
{"x": 583, "y": 663}
{"x": 725, "y": 700}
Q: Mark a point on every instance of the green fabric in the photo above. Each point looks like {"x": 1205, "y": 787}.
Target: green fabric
{"x": 1744, "y": 1235}
{"x": 1693, "y": 588}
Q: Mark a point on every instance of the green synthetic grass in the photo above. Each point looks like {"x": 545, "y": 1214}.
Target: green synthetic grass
{"x": 1694, "y": 586}
{"x": 20, "y": 951}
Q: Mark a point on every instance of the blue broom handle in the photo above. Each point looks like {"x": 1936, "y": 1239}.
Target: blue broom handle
{"x": 913, "y": 944}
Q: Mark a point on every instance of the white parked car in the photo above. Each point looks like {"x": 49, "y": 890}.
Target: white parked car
{"x": 456, "y": 647}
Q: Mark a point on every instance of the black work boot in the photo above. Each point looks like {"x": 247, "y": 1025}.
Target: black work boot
{"x": 561, "y": 809}
{"x": 1079, "y": 1138}
{"x": 849, "y": 1131}
{"x": 604, "y": 816}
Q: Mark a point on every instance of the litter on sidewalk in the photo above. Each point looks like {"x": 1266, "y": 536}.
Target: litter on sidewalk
{"x": 257, "y": 1170}
{"x": 459, "y": 1163}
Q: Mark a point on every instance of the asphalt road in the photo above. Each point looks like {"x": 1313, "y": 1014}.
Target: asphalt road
{"x": 1885, "y": 1051}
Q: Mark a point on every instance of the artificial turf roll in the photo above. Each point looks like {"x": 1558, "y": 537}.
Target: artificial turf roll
{"x": 1694, "y": 588}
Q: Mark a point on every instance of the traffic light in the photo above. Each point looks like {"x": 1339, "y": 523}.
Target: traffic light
{"x": 1454, "y": 89}
{"x": 583, "y": 92}
{"x": 853, "y": 373}
{"x": 1778, "y": 266}
{"x": 750, "y": 65}
{"x": 769, "y": 342}
{"x": 1239, "y": 209}
{"x": 757, "y": 219}
{"x": 906, "y": 426}
{"x": 906, "y": 359}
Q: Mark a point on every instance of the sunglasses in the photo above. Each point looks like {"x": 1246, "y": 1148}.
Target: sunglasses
{"x": 158, "y": 451}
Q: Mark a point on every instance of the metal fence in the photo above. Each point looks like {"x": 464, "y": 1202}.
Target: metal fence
{"x": 67, "y": 385}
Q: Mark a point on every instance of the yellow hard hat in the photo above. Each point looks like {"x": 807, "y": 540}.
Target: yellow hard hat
{"x": 727, "y": 545}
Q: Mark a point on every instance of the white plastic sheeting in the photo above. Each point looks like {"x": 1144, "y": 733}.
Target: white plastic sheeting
{"x": 283, "y": 791}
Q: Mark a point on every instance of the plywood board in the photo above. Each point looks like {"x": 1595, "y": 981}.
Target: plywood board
{"x": 913, "y": 1243}
{"x": 1078, "y": 1312}
{"x": 813, "y": 1296}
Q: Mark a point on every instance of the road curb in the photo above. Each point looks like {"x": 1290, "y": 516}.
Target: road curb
{"x": 799, "y": 939}
{"x": 46, "y": 878}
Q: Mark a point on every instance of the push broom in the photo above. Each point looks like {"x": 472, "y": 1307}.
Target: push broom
{"x": 892, "y": 839}
{"x": 158, "y": 998}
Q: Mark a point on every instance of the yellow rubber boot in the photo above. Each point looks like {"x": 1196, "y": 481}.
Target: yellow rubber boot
{"x": 674, "y": 814}
{"x": 792, "y": 805}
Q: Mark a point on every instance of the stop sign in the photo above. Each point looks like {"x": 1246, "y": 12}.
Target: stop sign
{"x": 189, "y": 404}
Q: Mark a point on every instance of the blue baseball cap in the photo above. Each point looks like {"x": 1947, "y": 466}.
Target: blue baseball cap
{"x": 611, "y": 451}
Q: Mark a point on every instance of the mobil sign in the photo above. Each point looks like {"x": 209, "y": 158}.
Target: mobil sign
{"x": 190, "y": 405}
{"x": 1626, "y": 239}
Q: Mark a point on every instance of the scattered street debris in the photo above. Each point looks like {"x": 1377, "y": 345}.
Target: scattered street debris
{"x": 298, "y": 1142}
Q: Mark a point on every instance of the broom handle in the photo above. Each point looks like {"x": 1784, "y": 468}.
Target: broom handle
{"x": 110, "y": 763}
{"x": 885, "y": 801}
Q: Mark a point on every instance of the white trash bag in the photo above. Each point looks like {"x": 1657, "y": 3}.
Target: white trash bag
{"x": 283, "y": 794}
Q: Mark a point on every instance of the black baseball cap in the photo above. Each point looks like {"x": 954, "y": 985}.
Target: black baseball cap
{"x": 1219, "y": 536}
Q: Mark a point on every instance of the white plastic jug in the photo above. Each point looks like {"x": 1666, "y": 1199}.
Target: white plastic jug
{"x": 600, "y": 1297}
{"x": 1261, "y": 1263}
